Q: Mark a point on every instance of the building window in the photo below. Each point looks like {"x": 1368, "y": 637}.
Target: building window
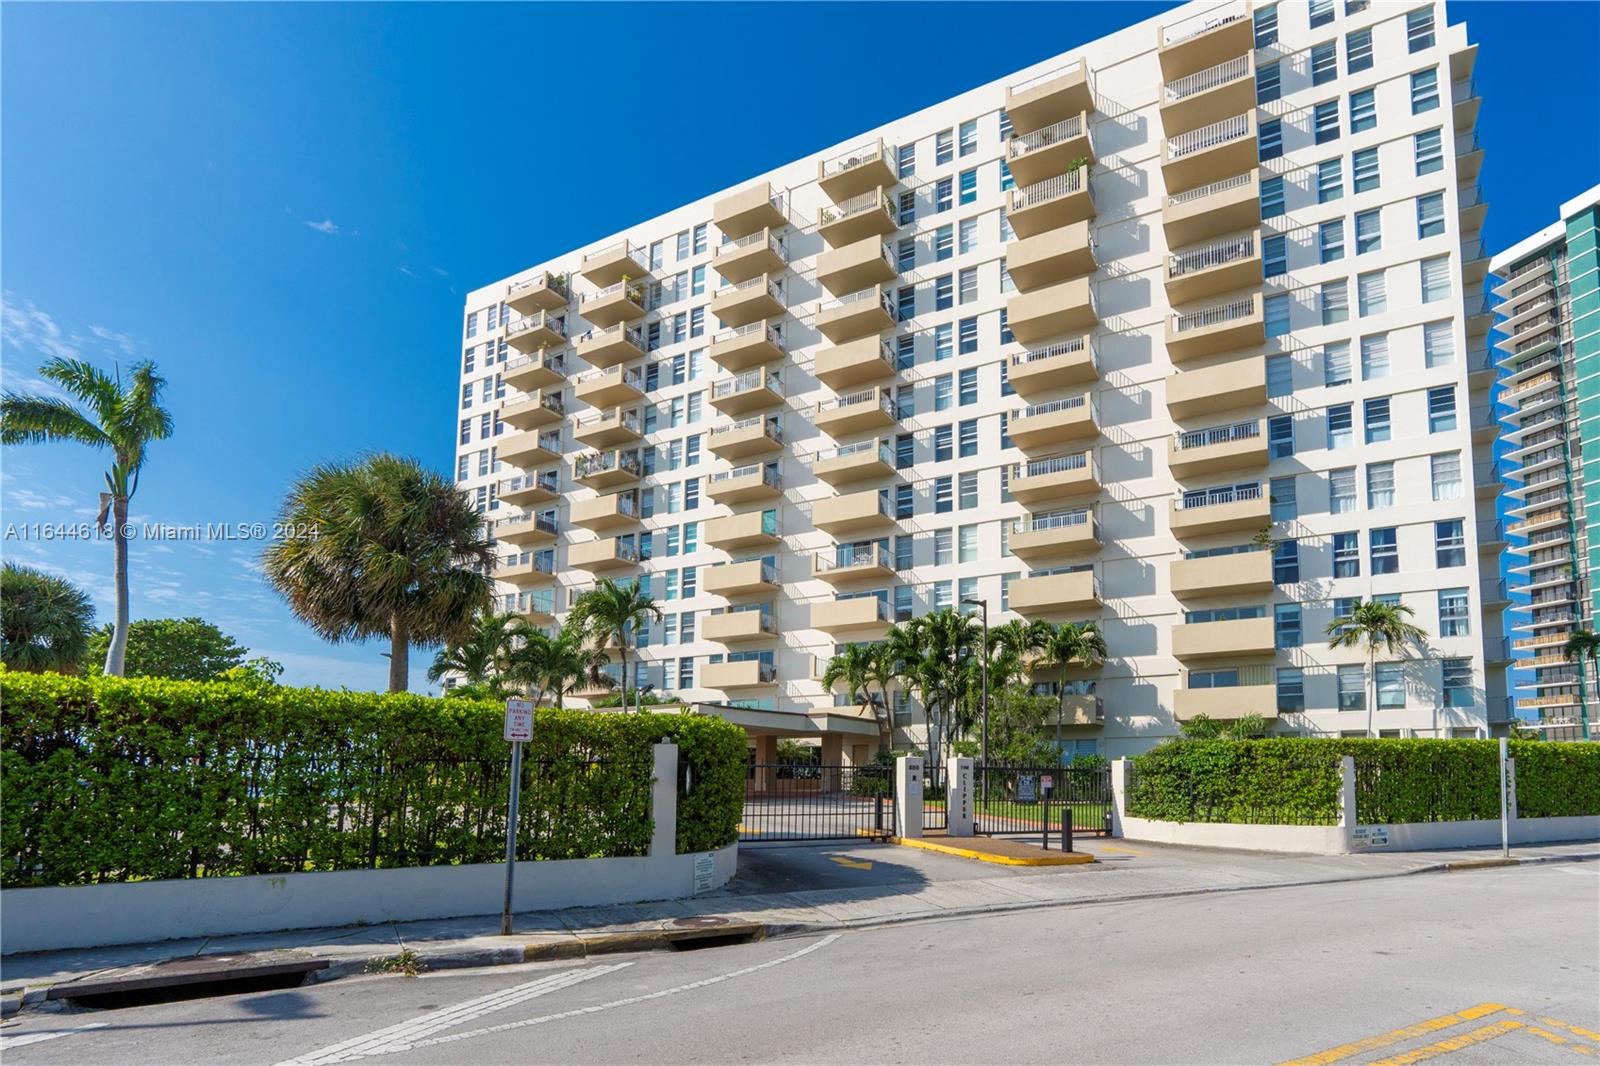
{"x": 1280, "y": 376}
{"x": 943, "y": 292}
{"x": 1352, "y": 688}
{"x": 905, "y": 501}
{"x": 1364, "y": 170}
{"x": 906, "y": 304}
{"x": 1285, "y": 506}
{"x": 1375, "y": 417}
{"x": 1441, "y": 409}
{"x": 1270, "y": 138}
{"x": 908, "y": 208}
{"x": 1391, "y": 685}
{"x": 1424, "y": 90}
{"x": 1372, "y": 296}
{"x": 1429, "y": 152}
{"x": 1357, "y": 51}
{"x": 905, "y": 161}
{"x": 943, "y": 391}
{"x": 944, "y": 243}
{"x": 969, "y": 186}
{"x": 1291, "y": 690}
{"x": 968, "y": 393}
{"x": 904, "y": 451}
{"x": 969, "y": 438}
{"x": 1335, "y": 301}
{"x": 1419, "y": 29}
{"x": 1449, "y": 543}
{"x": 1280, "y": 436}
{"x": 1272, "y": 197}
{"x": 1439, "y": 344}
{"x": 943, "y": 444}
{"x": 967, "y": 544}
{"x": 943, "y": 195}
{"x": 1336, "y": 363}
{"x": 1005, "y": 125}
{"x": 1363, "y": 111}
{"x": 943, "y": 347}
{"x": 1330, "y": 181}
{"x": 1369, "y": 231}
{"x": 968, "y": 328}
{"x": 1325, "y": 121}
{"x": 967, "y": 285}
{"x": 1266, "y": 26}
{"x": 1277, "y": 314}
{"x": 943, "y": 494}
{"x": 1330, "y": 240}
{"x": 1286, "y": 562}
{"x": 968, "y": 142}
{"x": 1286, "y": 625}
{"x": 1374, "y": 356}
{"x": 1453, "y": 618}
{"x": 1380, "y": 485}
{"x": 1430, "y": 215}
{"x": 1446, "y": 472}
{"x": 1385, "y": 551}
{"x": 967, "y": 490}
{"x": 1346, "y": 555}
{"x": 1435, "y": 279}
{"x": 1324, "y": 63}
{"x": 943, "y": 147}
{"x": 1275, "y": 256}
{"x": 1269, "y": 83}
{"x": 1455, "y": 682}
{"x": 1342, "y": 490}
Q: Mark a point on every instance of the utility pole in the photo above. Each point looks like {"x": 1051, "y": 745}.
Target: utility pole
{"x": 982, "y": 602}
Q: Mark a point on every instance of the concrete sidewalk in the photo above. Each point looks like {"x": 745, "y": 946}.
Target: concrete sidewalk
{"x": 874, "y": 884}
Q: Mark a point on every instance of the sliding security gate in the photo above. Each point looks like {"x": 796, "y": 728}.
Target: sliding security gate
{"x": 1038, "y": 799}
{"x": 807, "y": 802}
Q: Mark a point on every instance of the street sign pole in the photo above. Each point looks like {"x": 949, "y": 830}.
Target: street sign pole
{"x": 1505, "y": 835}
{"x": 519, "y": 728}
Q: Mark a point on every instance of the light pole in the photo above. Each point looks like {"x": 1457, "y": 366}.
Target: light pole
{"x": 980, "y": 601}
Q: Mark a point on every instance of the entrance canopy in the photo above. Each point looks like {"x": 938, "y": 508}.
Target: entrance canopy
{"x": 762, "y": 723}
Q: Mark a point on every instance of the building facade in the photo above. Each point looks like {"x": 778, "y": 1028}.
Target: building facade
{"x": 1169, "y": 333}
{"x": 1547, "y": 289}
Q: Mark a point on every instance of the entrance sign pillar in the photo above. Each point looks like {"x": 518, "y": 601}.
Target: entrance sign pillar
{"x": 908, "y": 796}
{"x": 958, "y": 796}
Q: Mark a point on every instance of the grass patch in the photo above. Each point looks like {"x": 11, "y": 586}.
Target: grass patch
{"x": 407, "y": 962}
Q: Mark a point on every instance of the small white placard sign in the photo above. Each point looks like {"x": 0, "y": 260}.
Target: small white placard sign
{"x": 519, "y": 720}
{"x": 705, "y": 868}
{"x": 1370, "y": 836}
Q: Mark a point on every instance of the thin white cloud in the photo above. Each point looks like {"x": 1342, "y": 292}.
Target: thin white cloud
{"x": 122, "y": 341}
{"x": 27, "y": 328}
{"x": 327, "y": 226}
{"x": 28, "y": 500}
{"x": 407, "y": 271}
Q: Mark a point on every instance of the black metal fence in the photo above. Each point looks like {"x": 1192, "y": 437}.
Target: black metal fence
{"x": 935, "y": 814}
{"x": 783, "y": 801}
{"x": 1036, "y": 799}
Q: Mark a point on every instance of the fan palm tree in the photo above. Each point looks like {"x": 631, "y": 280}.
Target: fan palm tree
{"x": 610, "y": 614}
{"x": 1583, "y": 645}
{"x": 45, "y": 621}
{"x": 1073, "y": 644}
{"x": 552, "y": 664}
{"x": 480, "y": 657}
{"x": 124, "y": 420}
{"x": 1368, "y": 625}
{"x": 387, "y": 548}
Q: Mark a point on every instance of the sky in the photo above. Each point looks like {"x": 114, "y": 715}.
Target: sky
{"x": 285, "y": 205}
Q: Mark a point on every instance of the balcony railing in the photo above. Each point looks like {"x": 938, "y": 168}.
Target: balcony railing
{"x": 1219, "y": 497}
{"x": 1223, "y": 185}
{"x": 1229, "y": 129}
{"x": 852, "y": 555}
{"x": 556, "y": 283}
{"x": 1195, "y": 25}
{"x": 1069, "y": 403}
{"x": 621, "y": 331}
{"x": 856, "y": 205}
{"x": 746, "y": 382}
{"x": 556, "y": 325}
{"x": 774, "y": 289}
{"x": 885, "y": 452}
{"x": 772, "y": 428}
{"x": 633, "y": 289}
{"x": 1206, "y": 80}
{"x": 628, "y": 419}
{"x": 859, "y": 399}
{"x": 753, "y": 239}
{"x": 544, "y": 521}
{"x": 1067, "y": 129}
{"x": 861, "y": 155}
{"x": 632, "y": 377}
{"x": 547, "y": 481}
{"x": 1212, "y": 255}
{"x": 1213, "y": 316}
{"x": 884, "y": 298}
{"x": 1047, "y": 76}
{"x": 769, "y": 474}
{"x": 1051, "y": 189}
{"x": 1055, "y": 464}
{"x": 555, "y": 361}
{"x": 774, "y": 334}
{"x": 1205, "y": 438}
{"x": 625, "y": 247}
{"x": 1059, "y": 350}
{"x": 600, "y": 462}
{"x": 1079, "y": 516}
{"x": 1541, "y": 264}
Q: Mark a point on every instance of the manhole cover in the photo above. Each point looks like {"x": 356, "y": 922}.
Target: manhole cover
{"x": 704, "y": 921}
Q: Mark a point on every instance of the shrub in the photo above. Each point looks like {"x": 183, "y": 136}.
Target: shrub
{"x": 110, "y": 779}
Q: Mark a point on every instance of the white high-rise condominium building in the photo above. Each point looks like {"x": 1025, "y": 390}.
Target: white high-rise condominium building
{"x": 1170, "y": 333}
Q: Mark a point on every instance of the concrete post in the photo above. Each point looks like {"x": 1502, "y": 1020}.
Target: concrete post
{"x": 1348, "y": 814}
{"x": 958, "y": 796}
{"x": 832, "y": 757}
{"x": 908, "y": 796}
{"x": 664, "y": 801}
{"x": 1119, "y": 794}
{"x": 766, "y": 756}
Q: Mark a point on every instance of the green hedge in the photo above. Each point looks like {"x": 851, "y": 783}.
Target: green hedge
{"x": 112, "y": 779}
{"x": 1297, "y": 781}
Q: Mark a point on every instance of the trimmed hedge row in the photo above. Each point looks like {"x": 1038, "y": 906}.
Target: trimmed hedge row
{"x": 113, "y": 779}
{"x": 1296, "y": 780}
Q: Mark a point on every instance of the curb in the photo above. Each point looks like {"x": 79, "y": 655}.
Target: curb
{"x": 1068, "y": 858}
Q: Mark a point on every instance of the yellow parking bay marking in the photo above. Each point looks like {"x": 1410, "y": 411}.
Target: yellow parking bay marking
{"x": 1118, "y": 851}
{"x": 1395, "y": 1036}
{"x": 1575, "y": 1030}
{"x": 854, "y": 864}
{"x": 1454, "y": 1043}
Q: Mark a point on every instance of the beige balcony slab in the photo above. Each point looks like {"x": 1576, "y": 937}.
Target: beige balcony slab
{"x": 1065, "y": 307}
{"x": 857, "y": 412}
{"x": 754, "y": 529}
{"x": 1209, "y": 95}
{"x": 622, "y": 302}
{"x": 612, "y": 387}
{"x": 605, "y": 512}
{"x": 856, "y": 266}
{"x": 755, "y": 390}
{"x": 1052, "y": 256}
{"x": 1236, "y": 701}
{"x": 752, "y": 345}
{"x": 531, "y": 412}
{"x": 609, "y": 265}
{"x": 752, "y": 300}
{"x": 1050, "y": 97}
{"x": 543, "y": 291}
{"x": 853, "y": 564}
{"x": 864, "y": 461}
{"x": 1242, "y": 446}
{"x": 1232, "y": 385}
{"x": 746, "y": 438}
{"x": 537, "y": 371}
{"x": 1227, "y": 205}
{"x": 1248, "y": 514}
{"x": 871, "y": 214}
{"x": 526, "y": 531}
{"x": 745, "y": 483}
{"x": 539, "y": 615}
{"x": 1053, "y": 478}
{"x": 1208, "y": 270}
{"x": 849, "y": 173}
{"x": 526, "y": 489}
{"x": 1226, "y": 639}
{"x": 762, "y": 252}
{"x": 859, "y": 314}
{"x": 1200, "y": 41}
{"x": 1051, "y": 368}
{"x": 532, "y": 574}
{"x": 738, "y": 676}
{"x": 865, "y": 615}
{"x": 543, "y": 329}
{"x": 607, "y": 429}
{"x": 750, "y": 577}
{"x": 529, "y": 450}
{"x": 750, "y": 209}
{"x": 858, "y": 362}
{"x": 1050, "y": 536}
{"x": 602, "y": 556}
{"x": 1048, "y": 424}
{"x": 853, "y": 512}
{"x": 602, "y": 348}
{"x": 1210, "y": 153}
{"x": 1055, "y": 594}
{"x": 1075, "y": 709}
{"x": 1196, "y": 333}
{"x": 1051, "y": 204}
{"x": 607, "y": 470}
{"x": 1052, "y": 150}
{"x": 1216, "y": 575}
{"x": 739, "y": 627}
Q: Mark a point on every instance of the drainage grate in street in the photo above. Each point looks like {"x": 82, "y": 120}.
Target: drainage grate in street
{"x": 187, "y": 977}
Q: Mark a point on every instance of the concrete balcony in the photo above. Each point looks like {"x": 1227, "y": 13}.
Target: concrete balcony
{"x": 606, "y": 512}
{"x": 748, "y": 346}
{"x": 1226, "y": 639}
{"x": 622, "y": 302}
{"x": 738, "y": 676}
{"x": 1222, "y": 575}
{"x": 1055, "y": 478}
{"x": 528, "y": 530}
{"x": 855, "y": 512}
{"x": 1233, "y": 702}
{"x": 1199, "y": 42}
{"x": 1053, "y": 368}
{"x": 1223, "y": 206}
{"x": 858, "y": 362}
{"x": 1050, "y": 97}
{"x": 1051, "y": 150}
{"x": 1210, "y": 153}
{"x": 542, "y": 292}
{"x": 856, "y": 412}
{"x": 864, "y": 617}
{"x": 1210, "y": 95}
{"x": 1047, "y": 424}
{"x": 611, "y": 387}
{"x": 1058, "y": 533}
{"x": 754, "y": 529}
{"x": 529, "y": 450}
{"x": 748, "y": 437}
{"x": 537, "y": 371}
{"x": 537, "y": 572}
{"x": 866, "y": 460}
{"x": 758, "y": 481}
{"x": 747, "y": 578}
{"x": 1240, "y": 446}
{"x": 856, "y": 266}
{"x": 871, "y": 214}
{"x": 1077, "y": 709}
{"x": 607, "y": 470}
{"x": 750, "y": 209}
{"x": 740, "y": 627}
{"x": 754, "y": 300}
{"x": 609, "y": 265}
{"x": 607, "y": 429}
{"x": 864, "y": 167}
{"x": 1051, "y": 204}
{"x": 1214, "y": 268}
{"x": 543, "y": 329}
{"x": 754, "y": 390}
{"x": 527, "y": 489}
{"x": 1065, "y": 307}
{"x": 852, "y": 564}
{"x": 1236, "y": 510}
{"x": 531, "y": 412}
{"x": 845, "y": 318}
{"x": 1234, "y": 385}
{"x": 1055, "y": 594}
{"x": 762, "y": 252}
{"x": 1052, "y": 256}
{"x": 1239, "y": 323}
{"x": 602, "y": 556}
{"x": 604, "y": 348}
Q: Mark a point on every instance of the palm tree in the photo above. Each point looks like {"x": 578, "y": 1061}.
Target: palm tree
{"x": 45, "y": 621}
{"x": 937, "y": 653}
{"x": 1368, "y": 625}
{"x": 124, "y": 420}
{"x": 884, "y": 670}
{"x": 385, "y": 548}
{"x": 480, "y": 657}
{"x": 552, "y": 664}
{"x": 610, "y": 614}
{"x": 1012, "y": 645}
{"x": 854, "y": 665}
{"x": 1073, "y": 644}
{"x": 1584, "y": 645}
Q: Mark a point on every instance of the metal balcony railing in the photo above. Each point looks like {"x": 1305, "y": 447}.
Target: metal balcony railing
{"x": 847, "y": 556}
{"x": 772, "y": 429}
{"x": 856, "y": 205}
{"x": 555, "y": 361}
{"x": 1229, "y": 129}
{"x": 1208, "y": 79}
{"x": 1054, "y": 464}
{"x": 1042, "y": 192}
{"x": 1069, "y": 403}
{"x": 1231, "y": 311}
{"x": 631, "y": 376}
{"x": 544, "y": 521}
{"x": 601, "y": 462}
{"x": 1048, "y": 76}
{"x": 556, "y": 283}
{"x": 769, "y": 474}
{"x": 627, "y": 248}
{"x": 774, "y": 334}
{"x": 751, "y": 240}
{"x": 634, "y": 291}
{"x": 1219, "y": 497}
{"x": 1195, "y": 25}
{"x": 1080, "y": 516}
{"x": 1222, "y": 185}
{"x": 1067, "y": 129}
{"x": 859, "y": 399}
{"x": 1059, "y": 350}
{"x": 885, "y": 300}
{"x": 548, "y": 480}
{"x": 749, "y": 381}
{"x": 885, "y": 452}
{"x": 1217, "y": 254}
{"x": 859, "y": 156}
{"x": 1205, "y": 438}
{"x": 621, "y": 331}
{"x": 557, "y": 324}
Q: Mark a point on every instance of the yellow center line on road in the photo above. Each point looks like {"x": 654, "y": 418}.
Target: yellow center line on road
{"x": 1395, "y": 1036}
{"x": 1454, "y": 1043}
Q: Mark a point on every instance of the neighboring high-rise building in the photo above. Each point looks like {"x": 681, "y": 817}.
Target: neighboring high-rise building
{"x": 1169, "y": 333}
{"x": 1549, "y": 314}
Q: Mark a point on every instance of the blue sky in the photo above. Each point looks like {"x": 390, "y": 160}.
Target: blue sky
{"x": 284, "y": 205}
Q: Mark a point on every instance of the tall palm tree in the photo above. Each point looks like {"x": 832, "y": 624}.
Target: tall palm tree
{"x": 941, "y": 663}
{"x": 124, "y": 420}
{"x": 385, "y": 548}
{"x": 553, "y": 664}
{"x": 1583, "y": 645}
{"x": 1368, "y": 625}
{"x": 610, "y": 614}
{"x": 854, "y": 665}
{"x": 883, "y": 670}
{"x": 1012, "y": 645}
{"x": 45, "y": 621}
{"x": 480, "y": 656}
{"x": 1073, "y": 644}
